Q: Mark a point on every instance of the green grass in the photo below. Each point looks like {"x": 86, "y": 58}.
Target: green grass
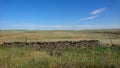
{"x": 97, "y": 57}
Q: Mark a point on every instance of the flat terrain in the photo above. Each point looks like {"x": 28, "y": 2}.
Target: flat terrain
{"x": 70, "y": 57}
{"x": 55, "y": 35}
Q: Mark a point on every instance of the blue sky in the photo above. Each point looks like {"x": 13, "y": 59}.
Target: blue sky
{"x": 59, "y": 14}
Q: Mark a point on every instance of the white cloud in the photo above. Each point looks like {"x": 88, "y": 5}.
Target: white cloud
{"x": 88, "y": 18}
{"x": 97, "y": 11}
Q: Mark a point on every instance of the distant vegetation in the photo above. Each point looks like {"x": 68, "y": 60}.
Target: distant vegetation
{"x": 57, "y": 35}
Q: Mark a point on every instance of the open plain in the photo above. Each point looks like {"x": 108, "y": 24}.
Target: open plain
{"x": 107, "y": 55}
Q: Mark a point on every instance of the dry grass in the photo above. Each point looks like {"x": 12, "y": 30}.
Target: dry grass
{"x": 55, "y": 35}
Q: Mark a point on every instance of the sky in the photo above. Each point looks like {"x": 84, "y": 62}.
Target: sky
{"x": 59, "y": 14}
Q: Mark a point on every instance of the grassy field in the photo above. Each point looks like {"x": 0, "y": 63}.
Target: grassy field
{"x": 71, "y": 57}
{"x": 54, "y": 35}
{"x": 85, "y": 57}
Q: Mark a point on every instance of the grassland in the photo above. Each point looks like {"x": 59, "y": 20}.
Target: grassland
{"x": 71, "y": 57}
{"x": 54, "y": 35}
{"x": 87, "y": 57}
